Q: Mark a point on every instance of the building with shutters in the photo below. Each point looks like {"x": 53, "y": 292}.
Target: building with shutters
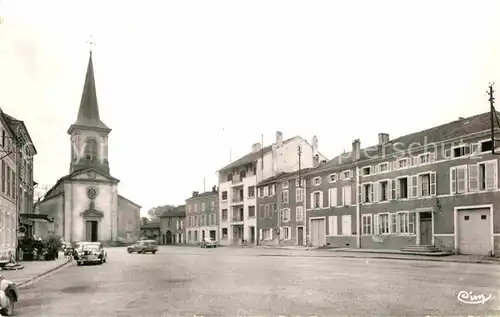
{"x": 433, "y": 190}
{"x": 238, "y": 181}
{"x": 202, "y": 216}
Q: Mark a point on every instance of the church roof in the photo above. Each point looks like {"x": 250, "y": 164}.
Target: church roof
{"x": 88, "y": 114}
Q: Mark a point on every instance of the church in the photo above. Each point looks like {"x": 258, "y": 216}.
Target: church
{"x": 85, "y": 204}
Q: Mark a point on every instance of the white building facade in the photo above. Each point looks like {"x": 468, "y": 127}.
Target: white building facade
{"x": 237, "y": 184}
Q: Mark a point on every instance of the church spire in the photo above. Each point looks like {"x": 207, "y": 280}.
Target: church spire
{"x": 88, "y": 114}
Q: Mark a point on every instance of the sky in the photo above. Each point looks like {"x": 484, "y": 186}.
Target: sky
{"x": 185, "y": 83}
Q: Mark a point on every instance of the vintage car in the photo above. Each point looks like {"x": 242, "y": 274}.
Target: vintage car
{"x": 81, "y": 247}
{"x": 9, "y": 295}
{"x": 208, "y": 243}
{"x": 143, "y": 246}
{"x": 91, "y": 253}
{"x": 67, "y": 248}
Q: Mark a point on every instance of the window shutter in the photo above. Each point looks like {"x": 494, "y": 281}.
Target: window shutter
{"x": 432, "y": 157}
{"x": 461, "y": 179}
{"x": 473, "y": 178}
{"x": 348, "y": 194}
{"x": 393, "y": 225}
{"x": 395, "y": 165}
{"x": 363, "y": 194}
{"x": 474, "y": 148}
{"x": 389, "y": 190}
{"x": 433, "y": 186}
{"x": 372, "y": 192}
{"x": 491, "y": 175}
{"x": 394, "y": 189}
{"x": 311, "y": 205}
{"x": 414, "y": 186}
{"x": 375, "y": 224}
{"x": 260, "y": 235}
{"x": 419, "y": 186}
{"x": 271, "y": 233}
{"x": 453, "y": 181}
{"x": 376, "y": 187}
{"x": 375, "y": 169}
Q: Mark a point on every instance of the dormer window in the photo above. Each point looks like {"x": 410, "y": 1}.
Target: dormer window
{"x": 367, "y": 171}
{"x": 383, "y": 167}
{"x": 486, "y": 146}
{"x": 284, "y": 184}
{"x": 461, "y": 150}
{"x": 317, "y": 181}
{"x": 403, "y": 163}
{"x": 346, "y": 174}
{"x": 332, "y": 178}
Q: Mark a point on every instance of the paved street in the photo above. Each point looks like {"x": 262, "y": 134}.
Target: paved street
{"x": 188, "y": 281}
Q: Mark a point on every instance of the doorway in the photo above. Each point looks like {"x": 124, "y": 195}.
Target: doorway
{"x": 252, "y": 235}
{"x": 318, "y": 238}
{"x": 202, "y": 235}
{"x": 213, "y": 234}
{"x": 300, "y": 236}
{"x": 91, "y": 233}
{"x": 425, "y": 228}
{"x": 169, "y": 237}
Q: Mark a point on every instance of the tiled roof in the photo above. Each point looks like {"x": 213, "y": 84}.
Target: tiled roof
{"x": 179, "y": 211}
{"x": 205, "y": 194}
{"x": 252, "y": 156}
{"x": 151, "y": 225}
{"x": 450, "y": 130}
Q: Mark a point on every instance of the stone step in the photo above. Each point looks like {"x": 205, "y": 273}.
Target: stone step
{"x": 421, "y": 248}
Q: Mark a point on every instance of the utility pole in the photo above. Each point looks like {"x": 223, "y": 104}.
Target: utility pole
{"x": 299, "y": 153}
{"x": 493, "y": 117}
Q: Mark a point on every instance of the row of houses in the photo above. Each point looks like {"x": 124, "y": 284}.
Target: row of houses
{"x": 17, "y": 218}
{"x": 436, "y": 188}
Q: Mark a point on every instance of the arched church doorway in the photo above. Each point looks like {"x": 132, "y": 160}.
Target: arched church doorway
{"x": 169, "y": 237}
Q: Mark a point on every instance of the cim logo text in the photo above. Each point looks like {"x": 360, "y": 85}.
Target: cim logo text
{"x": 470, "y": 298}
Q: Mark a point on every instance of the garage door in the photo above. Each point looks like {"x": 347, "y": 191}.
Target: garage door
{"x": 474, "y": 231}
{"x": 318, "y": 238}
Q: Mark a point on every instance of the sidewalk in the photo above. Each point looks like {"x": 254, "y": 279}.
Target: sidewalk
{"x": 390, "y": 254}
{"x": 34, "y": 269}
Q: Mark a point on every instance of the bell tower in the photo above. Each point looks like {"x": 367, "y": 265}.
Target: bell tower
{"x": 89, "y": 135}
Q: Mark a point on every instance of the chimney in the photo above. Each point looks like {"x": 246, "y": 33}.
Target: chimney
{"x": 279, "y": 138}
{"x": 214, "y": 189}
{"x": 195, "y": 194}
{"x": 314, "y": 144}
{"x": 383, "y": 138}
{"x": 316, "y": 160}
{"x": 256, "y": 147}
{"x": 356, "y": 150}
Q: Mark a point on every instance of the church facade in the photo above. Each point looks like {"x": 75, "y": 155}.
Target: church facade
{"x": 85, "y": 204}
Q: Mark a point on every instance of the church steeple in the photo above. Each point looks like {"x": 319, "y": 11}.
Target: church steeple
{"x": 89, "y": 135}
{"x": 88, "y": 114}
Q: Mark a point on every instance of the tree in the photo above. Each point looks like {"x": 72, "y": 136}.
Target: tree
{"x": 156, "y": 212}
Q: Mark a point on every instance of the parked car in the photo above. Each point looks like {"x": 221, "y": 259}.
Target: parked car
{"x": 9, "y": 295}
{"x": 208, "y": 243}
{"x": 67, "y": 248}
{"x": 79, "y": 250}
{"x": 143, "y": 246}
{"x": 91, "y": 253}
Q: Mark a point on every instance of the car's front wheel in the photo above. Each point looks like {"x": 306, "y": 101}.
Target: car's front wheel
{"x": 154, "y": 252}
{"x": 8, "y": 310}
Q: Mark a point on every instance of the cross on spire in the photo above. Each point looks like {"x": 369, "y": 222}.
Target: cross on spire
{"x": 91, "y": 43}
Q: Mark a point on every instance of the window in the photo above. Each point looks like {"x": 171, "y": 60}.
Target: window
{"x": 317, "y": 200}
{"x": 271, "y": 190}
{"x": 486, "y": 146}
{"x": 458, "y": 179}
{"x": 367, "y": 193}
{"x": 297, "y": 183}
{"x": 8, "y": 180}
{"x": 483, "y": 217}
{"x": 346, "y": 225}
{"x": 332, "y": 226}
{"x": 251, "y": 211}
{"x": 406, "y": 221}
{"x": 299, "y": 213}
{"x": 401, "y": 189}
{"x": 414, "y": 186}
{"x": 461, "y": 150}
{"x": 202, "y": 207}
{"x": 332, "y": 197}
{"x": 285, "y": 214}
{"x": 382, "y": 224}
{"x": 346, "y": 195}
{"x": 212, "y": 205}
{"x": 383, "y": 167}
{"x": 224, "y": 195}
{"x": 267, "y": 234}
{"x": 367, "y": 171}
{"x": 317, "y": 181}
{"x": 261, "y": 192}
{"x": 346, "y": 174}
{"x": 224, "y": 214}
{"x": 284, "y": 184}
{"x": 286, "y": 233}
{"x": 402, "y": 163}
{"x": 195, "y": 207}
{"x": 332, "y": 178}
{"x": 266, "y": 191}
{"x": 299, "y": 194}
{"x": 91, "y": 149}
{"x": 188, "y": 209}
{"x": 224, "y": 233}
{"x": 383, "y": 190}
{"x": 426, "y": 158}
{"x": 366, "y": 223}
{"x": 267, "y": 213}
{"x": 427, "y": 184}
{"x": 284, "y": 197}
{"x": 251, "y": 191}
{"x": 488, "y": 178}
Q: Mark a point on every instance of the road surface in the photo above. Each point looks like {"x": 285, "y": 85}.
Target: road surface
{"x": 189, "y": 281}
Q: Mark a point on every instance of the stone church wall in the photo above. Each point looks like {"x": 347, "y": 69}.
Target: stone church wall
{"x": 128, "y": 221}
{"x": 53, "y": 208}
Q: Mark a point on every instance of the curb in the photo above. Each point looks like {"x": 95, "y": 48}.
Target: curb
{"x": 27, "y": 282}
{"x": 384, "y": 258}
